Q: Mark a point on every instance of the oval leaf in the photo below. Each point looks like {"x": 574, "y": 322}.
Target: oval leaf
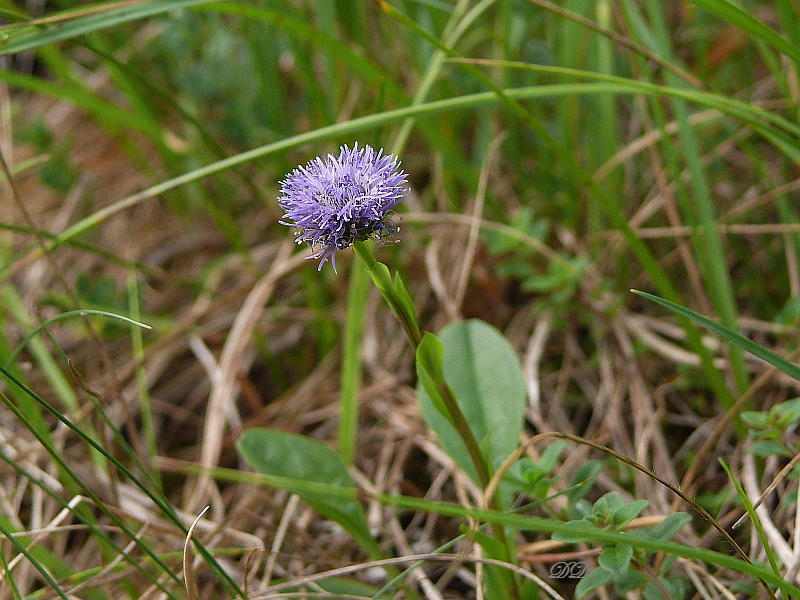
{"x": 485, "y": 374}
{"x": 298, "y": 457}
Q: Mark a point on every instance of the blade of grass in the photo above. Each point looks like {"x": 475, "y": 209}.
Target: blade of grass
{"x": 11, "y": 583}
{"x": 730, "y": 13}
{"x": 739, "y": 340}
{"x": 69, "y": 315}
{"x": 70, "y": 475}
{"x": 81, "y": 516}
{"x": 21, "y": 37}
{"x": 36, "y": 564}
{"x": 145, "y": 407}
{"x": 371, "y": 122}
{"x": 773, "y": 563}
{"x": 357, "y": 293}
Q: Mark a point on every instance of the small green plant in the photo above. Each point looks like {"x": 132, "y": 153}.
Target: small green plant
{"x": 770, "y": 429}
{"x": 619, "y": 563}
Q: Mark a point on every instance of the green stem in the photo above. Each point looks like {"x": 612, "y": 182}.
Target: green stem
{"x": 351, "y": 361}
{"x": 402, "y": 309}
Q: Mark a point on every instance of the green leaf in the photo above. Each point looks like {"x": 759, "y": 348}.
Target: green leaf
{"x": 498, "y": 579}
{"x": 583, "y": 480}
{"x": 486, "y": 377}
{"x": 616, "y": 559}
{"x": 402, "y": 294}
{"x": 675, "y": 587}
{"x": 298, "y": 457}
{"x": 627, "y": 513}
{"x": 665, "y": 530}
{"x": 629, "y": 582}
{"x": 607, "y": 504}
{"x": 580, "y": 509}
{"x": 430, "y": 369}
{"x": 756, "y": 419}
{"x": 492, "y": 547}
{"x": 769, "y": 448}
{"x": 777, "y": 361}
{"x": 550, "y": 455}
{"x": 788, "y": 412}
{"x": 383, "y": 281}
{"x": 600, "y": 576}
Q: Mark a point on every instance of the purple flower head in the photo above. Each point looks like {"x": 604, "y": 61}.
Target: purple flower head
{"x": 337, "y": 201}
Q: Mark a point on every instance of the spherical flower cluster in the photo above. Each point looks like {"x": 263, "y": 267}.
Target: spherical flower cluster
{"x": 337, "y": 201}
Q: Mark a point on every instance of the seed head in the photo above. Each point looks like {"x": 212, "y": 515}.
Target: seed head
{"x": 337, "y": 201}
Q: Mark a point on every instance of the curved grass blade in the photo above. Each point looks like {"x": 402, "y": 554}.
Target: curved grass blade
{"x": 42, "y": 571}
{"x": 746, "y": 111}
{"x": 68, "y": 315}
{"x": 730, "y": 13}
{"x": 751, "y": 511}
{"x": 18, "y": 39}
{"x": 347, "y": 127}
{"x": 764, "y": 354}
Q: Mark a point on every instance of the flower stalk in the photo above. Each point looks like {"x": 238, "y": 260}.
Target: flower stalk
{"x": 429, "y": 352}
{"x": 339, "y": 202}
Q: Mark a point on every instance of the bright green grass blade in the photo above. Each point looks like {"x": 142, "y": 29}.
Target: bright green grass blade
{"x": 24, "y": 165}
{"x": 21, "y": 38}
{"x": 747, "y": 112}
{"x": 604, "y": 136}
{"x": 764, "y": 354}
{"x": 373, "y": 121}
{"x": 773, "y": 563}
{"x": 11, "y": 583}
{"x": 145, "y": 406}
{"x": 570, "y": 52}
{"x": 70, "y": 315}
{"x": 31, "y": 559}
{"x": 730, "y": 13}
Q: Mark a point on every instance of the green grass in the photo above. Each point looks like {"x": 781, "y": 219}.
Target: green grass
{"x": 625, "y": 123}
